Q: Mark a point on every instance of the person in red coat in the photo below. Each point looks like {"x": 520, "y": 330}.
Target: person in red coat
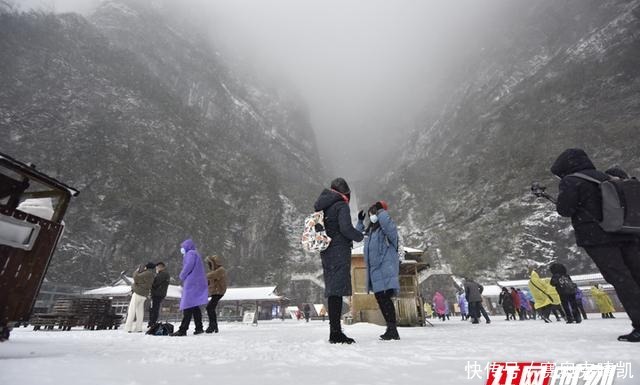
{"x": 515, "y": 296}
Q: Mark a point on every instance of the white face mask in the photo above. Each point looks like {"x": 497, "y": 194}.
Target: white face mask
{"x": 373, "y": 218}
{"x": 183, "y": 251}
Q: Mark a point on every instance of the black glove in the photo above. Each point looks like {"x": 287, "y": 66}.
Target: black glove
{"x": 361, "y": 215}
{"x": 319, "y": 228}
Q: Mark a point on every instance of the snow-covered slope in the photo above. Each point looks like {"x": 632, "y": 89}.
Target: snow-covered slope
{"x": 549, "y": 75}
{"x": 163, "y": 140}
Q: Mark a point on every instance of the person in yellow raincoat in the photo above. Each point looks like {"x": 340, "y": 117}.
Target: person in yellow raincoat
{"x": 603, "y": 301}
{"x": 546, "y": 297}
{"x": 428, "y": 311}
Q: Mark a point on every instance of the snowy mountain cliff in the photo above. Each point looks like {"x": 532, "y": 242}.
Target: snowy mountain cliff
{"x": 549, "y": 76}
{"x": 164, "y": 141}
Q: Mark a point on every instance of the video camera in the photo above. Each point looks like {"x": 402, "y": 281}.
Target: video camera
{"x": 541, "y": 191}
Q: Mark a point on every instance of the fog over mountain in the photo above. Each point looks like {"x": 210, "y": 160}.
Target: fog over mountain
{"x": 447, "y": 109}
{"x": 365, "y": 68}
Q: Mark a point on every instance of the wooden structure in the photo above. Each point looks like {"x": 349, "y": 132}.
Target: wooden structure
{"x": 264, "y": 301}
{"x": 409, "y": 302}
{"x": 92, "y": 313}
{"x": 32, "y": 206}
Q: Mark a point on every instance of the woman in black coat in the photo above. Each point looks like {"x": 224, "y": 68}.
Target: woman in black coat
{"x": 507, "y": 304}
{"x": 336, "y": 259}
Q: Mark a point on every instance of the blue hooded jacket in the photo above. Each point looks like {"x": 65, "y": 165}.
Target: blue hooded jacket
{"x": 381, "y": 255}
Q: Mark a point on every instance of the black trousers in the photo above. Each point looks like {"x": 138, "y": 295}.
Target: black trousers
{"x": 335, "y": 312}
{"x": 194, "y": 312}
{"x": 212, "y": 312}
{"x": 154, "y": 310}
{"x": 581, "y": 308}
{"x": 476, "y": 309}
{"x": 386, "y": 306}
{"x": 620, "y": 266}
{"x": 570, "y": 306}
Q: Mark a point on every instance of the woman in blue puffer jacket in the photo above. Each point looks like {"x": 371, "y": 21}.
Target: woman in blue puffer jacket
{"x": 382, "y": 261}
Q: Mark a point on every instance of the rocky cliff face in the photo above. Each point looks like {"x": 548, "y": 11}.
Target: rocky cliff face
{"x": 163, "y": 140}
{"x": 553, "y": 75}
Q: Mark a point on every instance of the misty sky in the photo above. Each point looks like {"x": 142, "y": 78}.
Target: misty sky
{"x": 365, "y": 68}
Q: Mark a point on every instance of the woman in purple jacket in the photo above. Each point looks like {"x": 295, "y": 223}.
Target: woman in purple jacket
{"x": 194, "y": 288}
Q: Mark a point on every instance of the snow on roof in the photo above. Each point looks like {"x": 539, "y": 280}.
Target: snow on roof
{"x": 263, "y": 293}
{"x": 491, "y": 290}
{"x": 121, "y": 288}
{"x": 409, "y": 250}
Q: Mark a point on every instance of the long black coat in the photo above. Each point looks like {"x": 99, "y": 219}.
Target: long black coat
{"x": 160, "y": 284}
{"x": 507, "y": 302}
{"x": 582, "y": 201}
{"x": 336, "y": 259}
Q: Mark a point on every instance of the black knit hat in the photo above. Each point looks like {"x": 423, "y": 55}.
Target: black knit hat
{"x": 340, "y": 185}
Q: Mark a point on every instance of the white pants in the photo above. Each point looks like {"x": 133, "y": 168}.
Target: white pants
{"x": 136, "y": 311}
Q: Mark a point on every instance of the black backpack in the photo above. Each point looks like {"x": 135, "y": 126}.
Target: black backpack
{"x": 566, "y": 285}
{"x": 620, "y": 204}
{"x": 160, "y": 329}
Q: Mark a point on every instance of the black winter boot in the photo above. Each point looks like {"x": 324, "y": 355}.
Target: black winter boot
{"x": 338, "y": 337}
{"x": 391, "y": 333}
{"x": 634, "y": 336}
{"x": 209, "y": 330}
{"x": 179, "y": 333}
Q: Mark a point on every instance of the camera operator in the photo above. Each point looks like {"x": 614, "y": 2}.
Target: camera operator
{"x": 616, "y": 255}
{"x": 140, "y": 289}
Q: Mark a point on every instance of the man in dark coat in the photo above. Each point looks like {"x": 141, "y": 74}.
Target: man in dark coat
{"x": 336, "y": 259}
{"x": 616, "y": 255}
{"x": 566, "y": 288}
{"x": 158, "y": 292}
{"x": 473, "y": 291}
{"x": 507, "y": 304}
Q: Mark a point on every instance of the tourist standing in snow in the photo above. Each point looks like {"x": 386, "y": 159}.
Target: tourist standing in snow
{"x": 507, "y": 304}
{"x": 473, "y": 292}
{"x": 603, "y": 302}
{"x": 428, "y": 310}
{"x": 194, "y": 288}
{"x": 158, "y": 292}
{"x": 580, "y": 302}
{"x": 525, "y": 306}
{"x": 546, "y": 297}
{"x": 616, "y": 255}
{"x": 217, "y": 283}
{"x": 382, "y": 262}
{"x": 142, "y": 281}
{"x": 463, "y": 305}
{"x": 440, "y": 305}
{"x": 532, "y": 302}
{"x": 336, "y": 259}
{"x": 567, "y": 291}
{"x": 515, "y": 297}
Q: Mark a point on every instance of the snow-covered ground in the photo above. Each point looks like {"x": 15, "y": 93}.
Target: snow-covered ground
{"x": 289, "y": 352}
